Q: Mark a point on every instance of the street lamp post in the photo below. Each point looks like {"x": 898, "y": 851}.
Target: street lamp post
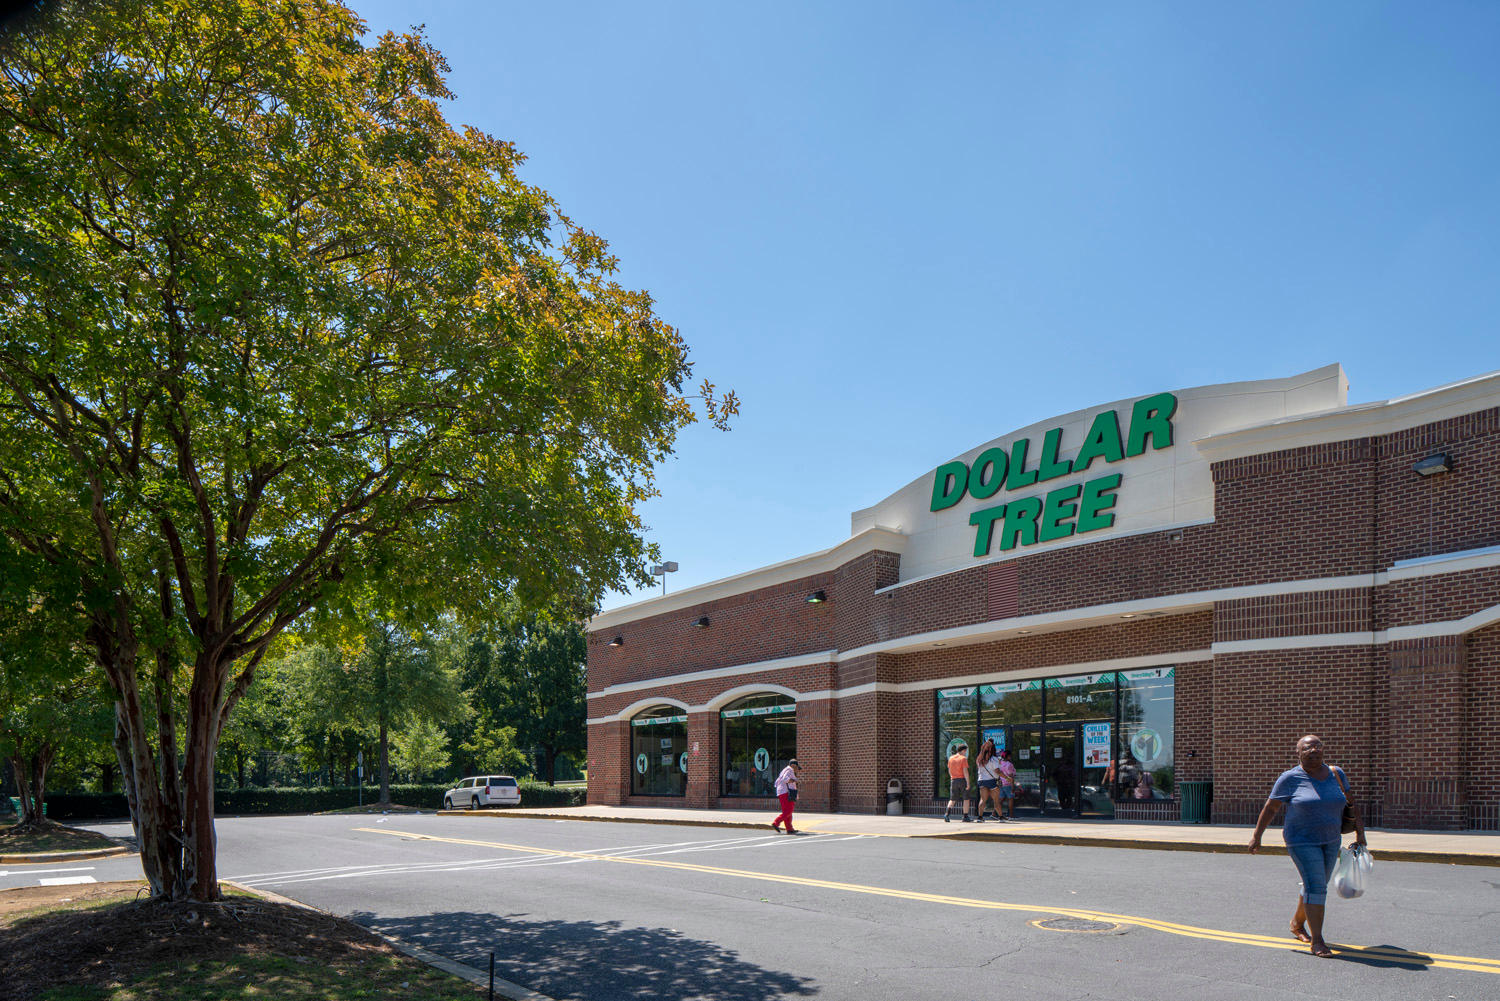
{"x": 661, "y": 570}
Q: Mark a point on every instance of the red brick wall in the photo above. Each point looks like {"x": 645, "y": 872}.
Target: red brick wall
{"x": 1263, "y": 702}
{"x": 1438, "y": 598}
{"x": 1428, "y": 705}
{"x": 1483, "y": 712}
{"x": 1194, "y": 723}
{"x": 1450, "y": 512}
{"x": 767, "y": 624}
{"x": 1308, "y": 614}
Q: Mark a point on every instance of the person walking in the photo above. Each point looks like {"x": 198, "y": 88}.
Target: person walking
{"x": 958, "y": 780}
{"x": 786, "y": 792}
{"x": 1313, "y": 794}
{"x": 988, "y": 765}
{"x": 1007, "y": 788}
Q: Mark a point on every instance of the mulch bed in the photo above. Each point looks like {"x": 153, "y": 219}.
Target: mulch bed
{"x": 112, "y": 945}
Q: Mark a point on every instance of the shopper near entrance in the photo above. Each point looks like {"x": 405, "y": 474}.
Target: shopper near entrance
{"x": 1314, "y": 795}
{"x": 958, "y": 781}
{"x": 1007, "y": 786}
{"x": 988, "y": 764}
{"x": 786, "y": 792}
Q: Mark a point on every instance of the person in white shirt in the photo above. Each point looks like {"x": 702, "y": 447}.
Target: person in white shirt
{"x": 786, "y": 791}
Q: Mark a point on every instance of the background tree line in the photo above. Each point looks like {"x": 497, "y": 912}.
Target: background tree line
{"x": 420, "y": 704}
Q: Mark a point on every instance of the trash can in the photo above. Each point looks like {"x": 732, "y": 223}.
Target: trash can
{"x": 1196, "y": 796}
{"x": 895, "y": 799}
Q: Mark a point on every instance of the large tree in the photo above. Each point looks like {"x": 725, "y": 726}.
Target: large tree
{"x": 270, "y": 328}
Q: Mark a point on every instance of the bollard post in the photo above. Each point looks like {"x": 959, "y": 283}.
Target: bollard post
{"x": 492, "y": 976}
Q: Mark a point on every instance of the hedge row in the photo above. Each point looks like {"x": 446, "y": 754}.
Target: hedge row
{"x": 240, "y": 802}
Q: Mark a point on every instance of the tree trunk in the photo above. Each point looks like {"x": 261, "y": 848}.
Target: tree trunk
{"x": 31, "y": 785}
{"x": 200, "y": 878}
{"x": 549, "y": 754}
{"x": 385, "y": 767}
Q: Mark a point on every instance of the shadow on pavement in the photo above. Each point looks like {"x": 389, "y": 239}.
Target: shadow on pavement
{"x": 597, "y": 960}
{"x": 1390, "y": 957}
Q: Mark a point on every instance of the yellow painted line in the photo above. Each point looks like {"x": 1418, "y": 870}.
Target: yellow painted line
{"x": 1477, "y": 964}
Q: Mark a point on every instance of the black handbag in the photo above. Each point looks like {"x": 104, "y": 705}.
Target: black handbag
{"x": 792, "y": 793}
{"x": 1346, "y": 822}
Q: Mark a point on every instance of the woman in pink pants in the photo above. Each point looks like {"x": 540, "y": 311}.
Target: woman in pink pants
{"x": 786, "y": 791}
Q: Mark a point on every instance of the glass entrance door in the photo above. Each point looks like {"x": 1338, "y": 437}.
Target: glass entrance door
{"x": 1051, "y": 775}
{"x": 1026, "y": 755}
{"x": 1060, "y": 769}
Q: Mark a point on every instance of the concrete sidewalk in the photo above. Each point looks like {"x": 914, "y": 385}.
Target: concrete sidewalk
{"x": 1450, "y": 847}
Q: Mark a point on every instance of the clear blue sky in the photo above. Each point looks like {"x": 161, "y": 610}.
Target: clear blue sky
{"x": 900, "y": 230}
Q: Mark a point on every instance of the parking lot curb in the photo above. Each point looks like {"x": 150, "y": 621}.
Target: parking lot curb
{"x": 665, "y": 821}
{"x": 1210, "y": 847}
{"x": 44, "y": 858}
{"x": 1222, "y": 848}
{"x": 503, "y": 988}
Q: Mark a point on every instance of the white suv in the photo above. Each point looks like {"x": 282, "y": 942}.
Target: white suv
{"x": 483, "y": 790}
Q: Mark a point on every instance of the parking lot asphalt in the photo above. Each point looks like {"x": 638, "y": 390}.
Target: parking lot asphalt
{"x": 611, "y": 911}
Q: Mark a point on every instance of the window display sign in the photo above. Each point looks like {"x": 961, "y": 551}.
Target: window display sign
{"x": 640, "y": 763}
{"x": 757, "y": 711}
{"x": 762, "y": 759}
{"x": 654, "y": 720}
{"x": 997, "y": 734}
{"x": 1095, "y": 745}
{"x": 1076, "y": 680}
{"x": 954, "y": 693}
{"x": 1014, "y": 686}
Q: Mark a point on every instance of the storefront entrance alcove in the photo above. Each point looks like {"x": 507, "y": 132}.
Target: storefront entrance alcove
{"x": 1052, "y": 777}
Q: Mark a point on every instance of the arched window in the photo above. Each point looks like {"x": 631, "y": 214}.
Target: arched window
{"x": 759, "y": 736}
{"x": 658, "y": 751}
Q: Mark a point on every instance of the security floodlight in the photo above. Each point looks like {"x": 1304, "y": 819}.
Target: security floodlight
{"x": 1433, "y": 464}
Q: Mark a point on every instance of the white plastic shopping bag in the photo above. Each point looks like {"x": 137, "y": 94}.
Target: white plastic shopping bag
{"x": 1351, "y": 873}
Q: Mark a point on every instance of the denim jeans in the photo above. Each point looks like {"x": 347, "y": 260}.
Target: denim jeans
{"x": 1315, "y": 864}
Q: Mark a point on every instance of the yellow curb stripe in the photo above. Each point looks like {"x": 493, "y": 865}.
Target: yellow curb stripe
{"x": 1476, "y": 964}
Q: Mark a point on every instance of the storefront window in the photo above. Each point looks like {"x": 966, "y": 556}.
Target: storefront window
{"x": 658, "y": 748}
{"x": 1147, "y": 704}
{"x": 1081, "y": 696}
{"x": 1105, "y": 737}
{"x": 1012, "y": 704}
{"x": 759, "y": 738}
{"x": 957, "y": 722}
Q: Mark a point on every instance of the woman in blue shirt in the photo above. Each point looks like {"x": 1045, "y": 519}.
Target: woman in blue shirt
{"x": 1313, "y": 796}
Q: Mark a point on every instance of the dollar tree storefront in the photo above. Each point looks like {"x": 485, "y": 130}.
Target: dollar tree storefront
{"x": 1141, "y": 600}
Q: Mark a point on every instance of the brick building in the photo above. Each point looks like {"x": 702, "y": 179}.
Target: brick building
{"x": 1134, "y": 599}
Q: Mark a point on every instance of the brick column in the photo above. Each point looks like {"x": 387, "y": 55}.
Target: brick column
{"x": 1427, "y": 701}
{"x": 609, "y": 762}
{"x": 703, "y": 760}
{"x": 817, "y": 753}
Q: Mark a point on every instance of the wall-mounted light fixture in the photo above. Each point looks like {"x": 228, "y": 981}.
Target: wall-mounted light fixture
{"x": 1442, "y": 462}
{"x": 1128, "y": 615}
{"x": 702, "y": 623}
{"x": 817, "y": 598}
{"x": 617, "y": 641}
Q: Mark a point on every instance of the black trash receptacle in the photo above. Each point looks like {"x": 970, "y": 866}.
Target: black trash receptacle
{"x": 1195, "y": 799}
